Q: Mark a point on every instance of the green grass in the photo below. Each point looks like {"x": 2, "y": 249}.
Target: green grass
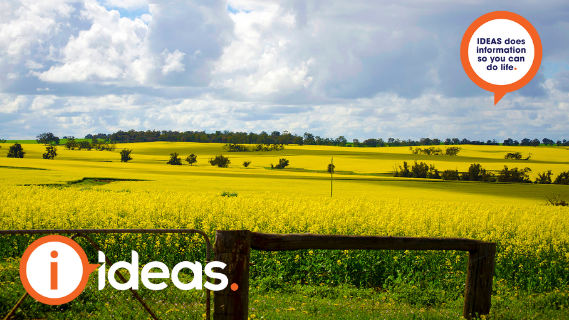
{"x": 270, "y": 299}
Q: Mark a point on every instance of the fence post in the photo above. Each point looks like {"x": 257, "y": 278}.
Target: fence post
{"x": 478, "y": 292}
{"x": 233, "y": 248}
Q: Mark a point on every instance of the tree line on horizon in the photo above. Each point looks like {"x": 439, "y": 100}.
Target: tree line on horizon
{"x": 284, "y": 138}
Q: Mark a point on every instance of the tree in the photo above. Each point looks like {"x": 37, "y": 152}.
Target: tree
{"x": 191, "y": 159}
{"x": 47, "y": 138}
{"x": 85, "y": 145}
{"x": 16, "y": 151}
{"x": 220, "y": 161}
{"x": 71, "y": 144}
{"x": 246, "y": 163}
{"x": 283, "y": 163}
{"x": 50, "y": 152}
{"x": 174, "y": 159}
{"x": 331, "y": 168}
{"x": 125, "y": 155}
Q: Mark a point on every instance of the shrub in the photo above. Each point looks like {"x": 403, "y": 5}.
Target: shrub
{"x": 233, "y": 147}
{"x": 50, "y": 152}
{"x": 514, "y": 175}
{"x": 403, "y": 171}
{"x": 125, "y": 155}
{"x": 16, "y": 151}
{"x": 557, "y": 201}
{"x": 544, "y": 178}
{"x": 452, "y": 151}
{"x": 85, "y": 145}
{"x": 433, "y": 173}
{"x": 450, "y": 175}
{"x": 562, "y": 178}
{"x": 174, "y": 159}
{"x": 477, "y": 173}
{"x": 419, "y": 170}
{"x": 228, "y": 194}
{"x": 71, "y": 144}
{"x": 47, "y": 138}
{"x": 191, "y": 159}
{"x": 246, "y": 163}
{"x": 331, "y": 168}
{"x": 283, "y": 163}
{"x": 220, "y": 161}
{"x": 513, "y": 156}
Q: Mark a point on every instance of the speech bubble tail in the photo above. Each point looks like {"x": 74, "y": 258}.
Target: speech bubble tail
{"x": 91, "y": 267}
{"x": 498, "y": 96}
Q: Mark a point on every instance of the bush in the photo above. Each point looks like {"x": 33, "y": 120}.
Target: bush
{"x": 419, "y": 170}
{"x": 283, "y": 163}
{"x": 513, "y": 156}
{"x": 50, "y": 152}
{"x": 174, "y": 159}
{"x": 331, "y": 168}
{"x": 246, "y": 163}
{"x": 544, "y": 178}
{"x": 228, "y": 194}
{"x": 514, "y": 175}
{"x": 85, "y": 145}
{"x": 403, "y": 171}
{"x": 452, "y": 151}
{"x": 47, "y": 138}
{"x": 125, "y": 155}
{"x": 433, "y": 173}
{"x": 71, "y": 144}
{"x": 233, "y": 147}
{"x": 477, "y": 173}
{"x": 450, "y": 175}
{"x": 16, "y": 151}
{"x": 220, "y": 161}
{"x": 516, "y": 156}
{"x": 557, "y": 201}
{"x": 191, "y": 159}
{"x": 562, "y": 178}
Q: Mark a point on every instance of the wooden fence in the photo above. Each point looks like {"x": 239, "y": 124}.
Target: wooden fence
{"x": 233, "y": 248}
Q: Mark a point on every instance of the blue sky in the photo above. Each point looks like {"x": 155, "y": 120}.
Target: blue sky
{"x": 353, "y": 68}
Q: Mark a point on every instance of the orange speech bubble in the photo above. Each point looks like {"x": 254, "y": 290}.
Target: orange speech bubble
{"x": 505, "y": 79}
{"x": 35, "y": 260}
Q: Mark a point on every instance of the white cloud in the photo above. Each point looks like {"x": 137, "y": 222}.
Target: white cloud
{"x": 10, "y": 106}
{"x": 126, "y": 4}
{"x": 41, "y": 102}
{"x": 105, "y": 52}
{"x": 172, "y": 61}
{"x": 31, "y": 64}
{"x": 29, "y": 25}
{"x": 146, "y": 18}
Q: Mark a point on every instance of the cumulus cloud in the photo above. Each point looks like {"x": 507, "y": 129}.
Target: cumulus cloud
{"x": 359, "y": 69}
{"x": 8, "y": 105}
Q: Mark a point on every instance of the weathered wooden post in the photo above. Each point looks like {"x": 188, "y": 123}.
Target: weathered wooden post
{"x": 233, "y": 248}
{"x": 478, "y": 292}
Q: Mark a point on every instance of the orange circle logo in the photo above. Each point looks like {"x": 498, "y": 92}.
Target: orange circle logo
{"x": 54, "y": 270}
{"x": 501, "y": 52}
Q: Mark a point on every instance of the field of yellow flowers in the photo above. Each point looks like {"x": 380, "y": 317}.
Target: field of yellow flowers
{"x": 533, "y": 242}
{"x": 531, "y": 236}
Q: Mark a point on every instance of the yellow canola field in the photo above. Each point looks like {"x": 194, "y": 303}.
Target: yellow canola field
{"x": 520, "y": 230}
{"x": 360, "y": 172}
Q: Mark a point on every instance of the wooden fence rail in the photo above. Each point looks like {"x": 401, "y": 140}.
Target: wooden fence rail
{"x": 234, "y": 247}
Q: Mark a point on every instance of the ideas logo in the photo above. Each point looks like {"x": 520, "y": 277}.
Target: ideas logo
{"x": 55, "y": 270}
